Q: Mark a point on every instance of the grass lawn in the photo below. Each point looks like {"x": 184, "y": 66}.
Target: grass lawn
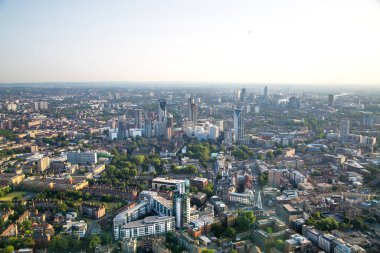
{"x": 11, "y": 195}
{"x": 110, "y": 206}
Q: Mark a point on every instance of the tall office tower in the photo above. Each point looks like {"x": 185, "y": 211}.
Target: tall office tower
{"x": 294, "y": 102}
{"x": 139, "y": 118}
{"x": 181, "y": 207}
{"x": 194, "y": 113}
{"x": 148, "y": 128}
{"x": 243, "y": 95}
{"x": 237, "y": 95}
{"x": 162, "y": 117}
{"x": 331, "y": 100}
{"x": 266, "y": 92}
{"x": 190, "y": 101}
{"x": 122, "y": 128}
{"x": 162, "y": 111}
{"x": 239, "y": 124}
{"x": 169, "y": 127}
{"x": 170, "y": 120}
{"x": 344, "y": 128}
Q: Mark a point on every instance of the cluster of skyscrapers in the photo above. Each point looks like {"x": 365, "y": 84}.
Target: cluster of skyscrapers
{"x": 161, "y": 125}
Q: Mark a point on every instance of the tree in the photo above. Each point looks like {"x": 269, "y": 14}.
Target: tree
{"x": 217, "y": 228}
{"x": 270, "y": 155}
{"x": 269, "y": 230}
{"x": 8, "y": 249}
{"x": 346, "y": 220}
{"x": 371, "y": 219}
{"x": 138, "y": 159}
{"x": 94, "y": 241}
{"x": 156, "y": 162}
{"x": 279, "y": 244}
{"x": 62, "y": 207}
{"x": 28, "y": 242}
{"x": 58, "y": 244}
{"x": 278, "y": 152}
{"x": 208, "y": 251}
{"x": 87, "y": 196}
{"x": 245, "y": 219}
{"x": 26, "y": 225}
{"x": 209, "y": 189}
{"x": 106, "y": 238}
{"x": 358, "y": 224}
{"x": 231, "y": 232}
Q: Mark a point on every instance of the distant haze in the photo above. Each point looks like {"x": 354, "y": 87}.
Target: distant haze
{"x": 242, "y": 41}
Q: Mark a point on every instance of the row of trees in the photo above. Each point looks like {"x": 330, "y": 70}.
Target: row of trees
{"x": 189, "y": 169}
{"x": 242, "y": 152}
{"x": 65, "y": 243}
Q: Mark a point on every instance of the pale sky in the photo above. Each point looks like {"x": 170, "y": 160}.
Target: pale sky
{"x": 229, "y": 41}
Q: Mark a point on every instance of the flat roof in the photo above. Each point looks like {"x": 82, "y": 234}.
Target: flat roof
{"x": 168, "y": 181}
{"x": 165, "y": 202}
{"x": 289, "y": 208}
{"x": 147, "y": 220}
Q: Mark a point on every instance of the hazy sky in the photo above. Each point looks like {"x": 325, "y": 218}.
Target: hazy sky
{"x": 230, "y": 41}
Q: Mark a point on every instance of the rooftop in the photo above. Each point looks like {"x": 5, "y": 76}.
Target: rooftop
{"x": 147, "y": 220}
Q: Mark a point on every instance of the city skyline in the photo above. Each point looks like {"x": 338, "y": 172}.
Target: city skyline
{"x": 317, "y": 43}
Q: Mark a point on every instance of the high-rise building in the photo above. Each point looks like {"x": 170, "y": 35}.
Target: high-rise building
{"x": 6, "y": 124}
{"x": 169, "y": 126}
{"x": 274, "y": 178}
{"x": 266, "y": 92}
{"x": 43, "y": 105}
{"x": 162, "y": 110}
{"x": 138, "y": 118}
{"x": 181, "y": 207}
{"x": 148, "y": 128}
{"x": 239, "y": 124}
{"x": 368, "y": 120}
{"x": 243, "y": 95}
{"x": 194, "y": 113}
{"x": 237, "y": 95}
{"x": 344, "y": 128}
{"x": 331, "y": 100}
{"x": 294, "y": 102}
{"x": 162, "y": 118}
{"x": 213, "y": 132}
{"x": 190, "y": 101}
{"x": 219, "y": 124}
{"x": 43, "y": 164}
{"x": 170, "y": 120}
{"x": 122, "y": 129}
